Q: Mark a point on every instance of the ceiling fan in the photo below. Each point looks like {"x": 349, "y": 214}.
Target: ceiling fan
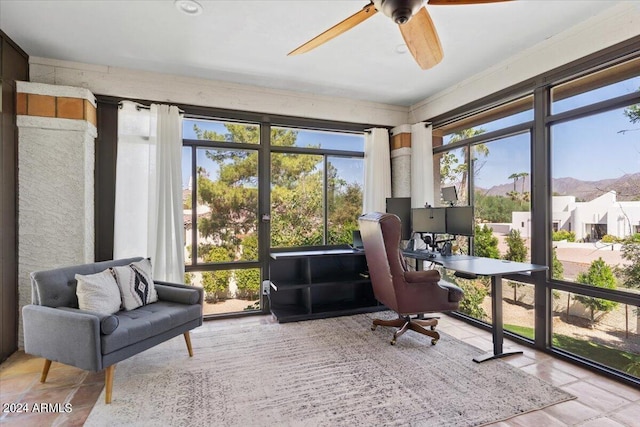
{"x": 412, "y": 18}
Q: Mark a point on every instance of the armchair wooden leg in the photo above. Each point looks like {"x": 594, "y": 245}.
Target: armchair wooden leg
{"x": 382, "y": 322}
{"x": 45, "y": 370}
{"x": 414, "y": 326}
{"x": 187, "y": 339}
{"x": 399, "y": 332}
{"x": 433, "y": 322}
{"x": 108, "y": 381}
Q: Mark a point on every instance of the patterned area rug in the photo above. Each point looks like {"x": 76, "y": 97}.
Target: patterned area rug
{"x": 331, "y": 372}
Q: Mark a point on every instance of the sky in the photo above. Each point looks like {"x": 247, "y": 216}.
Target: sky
{"x": 589, "y": 149}
{"x": 348, "y": 169}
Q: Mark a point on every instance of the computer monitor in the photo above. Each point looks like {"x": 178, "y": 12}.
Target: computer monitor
{"x": 429, "y": 220}
{"x": 459, "y": 220}
{"x": 401, "y": 206}
{"x": 449, "y": 194}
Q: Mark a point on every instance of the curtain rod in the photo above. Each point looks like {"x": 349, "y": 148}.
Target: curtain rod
{"x": 140, "y": 106}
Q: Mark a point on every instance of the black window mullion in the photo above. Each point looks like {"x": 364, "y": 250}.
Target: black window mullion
{"x": 194, "y": 206}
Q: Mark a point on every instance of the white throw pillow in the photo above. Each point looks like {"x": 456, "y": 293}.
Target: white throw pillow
{"x": 98, "y": 292}
{"x": 136, "y": 284}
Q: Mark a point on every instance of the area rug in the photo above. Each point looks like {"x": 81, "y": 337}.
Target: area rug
{"x": 330, "y": 372}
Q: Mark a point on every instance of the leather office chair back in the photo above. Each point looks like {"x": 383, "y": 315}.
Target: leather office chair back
{"x": 379, "y": 242}
{"x": 405, "y": 292}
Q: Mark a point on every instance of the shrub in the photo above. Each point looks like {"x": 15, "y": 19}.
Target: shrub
{"x": 474, "y": 294}
{"x": 608, "y": 238}
{"x": 569, "y": 236}
{"x": 601, "y": 276}
{"x": 485, "y": 243}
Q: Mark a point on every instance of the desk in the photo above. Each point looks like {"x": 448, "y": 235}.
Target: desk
{"x": 496, "y": 268}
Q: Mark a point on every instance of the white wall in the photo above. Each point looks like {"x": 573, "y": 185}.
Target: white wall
{"x": 615, "y": 25}
{"x": 134, "y": 84}
{"x": 55, "y": 191}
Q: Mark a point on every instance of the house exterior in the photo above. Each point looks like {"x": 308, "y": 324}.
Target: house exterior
{"x": 590, "y": 221}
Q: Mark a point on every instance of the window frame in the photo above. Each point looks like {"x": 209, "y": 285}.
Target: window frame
{"x": 541, "y": 196}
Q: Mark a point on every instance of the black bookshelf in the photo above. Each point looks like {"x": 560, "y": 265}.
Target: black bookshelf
{"x": 319, "y": 283}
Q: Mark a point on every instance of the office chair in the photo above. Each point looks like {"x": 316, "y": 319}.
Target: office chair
{"x": 405, "y": 292}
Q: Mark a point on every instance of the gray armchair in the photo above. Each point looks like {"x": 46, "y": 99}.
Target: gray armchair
{"x": 405, "y": 292}
{"x": 57, "y": 330}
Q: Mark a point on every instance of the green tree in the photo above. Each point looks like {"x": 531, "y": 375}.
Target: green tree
{"x": 557, "y": 271}
{"x": 297, "y": 205}
{"x": 485, "y": 243}
{"x": 633, "y": 113}
{"x": 601, "y": 276}
{"x": 496, "y": 208}
{"x": 630, "y": 273}
{"x": 474, "y": 295}
{"x": 452, "y": 171}
{"x": 216, "y": 283}
{"x": 248, "y": 279}
{"x": 475, "y": 292}
{"x": 517, "y": 251}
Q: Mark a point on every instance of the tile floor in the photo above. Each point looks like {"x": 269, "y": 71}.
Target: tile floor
{"x": 600, "y": 402}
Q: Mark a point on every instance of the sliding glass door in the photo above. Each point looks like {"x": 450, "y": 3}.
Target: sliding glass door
{"x": 221, "y": 202}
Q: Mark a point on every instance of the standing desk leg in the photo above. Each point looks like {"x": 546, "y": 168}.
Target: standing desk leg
{"x": 497, "y": 330}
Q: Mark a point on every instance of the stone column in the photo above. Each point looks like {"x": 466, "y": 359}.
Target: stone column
{"x": 56, "y": 145}
{"x": 401, "y": 161}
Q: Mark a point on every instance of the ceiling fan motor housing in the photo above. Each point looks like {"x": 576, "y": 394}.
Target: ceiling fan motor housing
{"x": 398, "y": 10}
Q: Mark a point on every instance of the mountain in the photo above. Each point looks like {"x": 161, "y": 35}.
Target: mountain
{"x": 627, "y": 187}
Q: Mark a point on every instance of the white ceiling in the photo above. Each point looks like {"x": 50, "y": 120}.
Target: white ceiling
{"x": 247, "y": 41}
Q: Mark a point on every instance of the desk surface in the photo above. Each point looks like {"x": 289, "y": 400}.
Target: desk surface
{"x": 477, "y": 265}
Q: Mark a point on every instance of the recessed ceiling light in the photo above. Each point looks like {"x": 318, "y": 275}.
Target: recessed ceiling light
{"x": 188, "y": 7}
{"x": 402, "y": 48}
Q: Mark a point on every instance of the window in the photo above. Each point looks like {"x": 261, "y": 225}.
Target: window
{"x": 220, "y": 196}
{"x": 315, "y": 198}
{"x": 571, "y": 191}
{"x": 317, "y": 180}
{"x": 500, "y": 117}
{"x": 498, "y": 172}
{"x": 606, "y": 84}
{"x": 596, "y": 197}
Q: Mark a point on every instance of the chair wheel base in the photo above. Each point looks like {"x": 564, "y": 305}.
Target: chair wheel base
{"x": 434, "y": 341}
{"x": 393, "y": 342}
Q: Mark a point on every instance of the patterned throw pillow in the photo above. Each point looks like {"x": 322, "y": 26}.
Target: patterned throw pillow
{"x": 98, "y": 292}
{"x": 136, "y": 284}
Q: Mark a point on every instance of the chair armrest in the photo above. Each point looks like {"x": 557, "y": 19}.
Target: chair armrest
{"x": 182, "y": 294}
{"x": 69, "y": 337}
{"x": 422, "y": 276}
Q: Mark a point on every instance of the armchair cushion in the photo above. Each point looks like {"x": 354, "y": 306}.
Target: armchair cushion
{"x": 98, "y": 292}
{"x": 136, "y": 284}
{"x": 148, "y": 321}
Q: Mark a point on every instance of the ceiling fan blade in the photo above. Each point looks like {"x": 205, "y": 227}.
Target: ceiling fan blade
{"x": 366, "y": 12}
{"x": 454, "y": 2}
{"x": 422, "y": 39}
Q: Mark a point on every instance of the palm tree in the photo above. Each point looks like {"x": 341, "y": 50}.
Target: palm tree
{"x": 523, "y": 175}
{"x": 514, "y": 177}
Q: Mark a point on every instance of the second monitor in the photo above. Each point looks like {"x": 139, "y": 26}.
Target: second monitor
{"x": 459, "y": 221}
{"x": 428, "y": 220}
{"x": 456, "y": 220}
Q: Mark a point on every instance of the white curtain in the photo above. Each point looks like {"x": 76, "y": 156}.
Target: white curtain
{"x": 148, "y": 210}
{"x": 377, "y": 171}
{"x": 422, "y": 182}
